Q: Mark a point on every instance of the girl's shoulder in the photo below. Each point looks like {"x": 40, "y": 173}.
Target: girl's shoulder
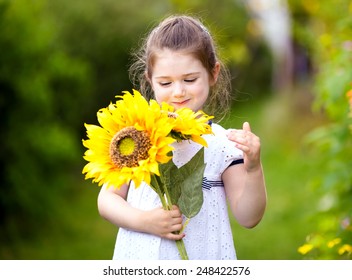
{"x": 218, "y": 129}
{"x": 219, "y": 135}
{"x": 220, "y": 149}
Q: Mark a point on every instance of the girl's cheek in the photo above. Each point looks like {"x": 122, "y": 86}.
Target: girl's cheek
{"x": 161, "y": 96}
{"x": 159, "y": 99}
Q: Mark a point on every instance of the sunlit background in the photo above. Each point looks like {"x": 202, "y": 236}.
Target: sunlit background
{"x": 62, "y": 60}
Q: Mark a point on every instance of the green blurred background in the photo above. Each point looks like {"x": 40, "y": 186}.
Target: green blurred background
{"x": 62, "y": 60}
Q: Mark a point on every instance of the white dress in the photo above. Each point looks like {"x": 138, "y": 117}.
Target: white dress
{"x": 208, "y": 234}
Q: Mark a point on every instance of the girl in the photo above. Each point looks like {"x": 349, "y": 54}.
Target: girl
{"x": 178, "y": 64}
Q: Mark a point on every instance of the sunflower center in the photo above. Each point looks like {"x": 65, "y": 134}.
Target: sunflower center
{"x": 126, "y": 146}
{"x": 129, "y": 146}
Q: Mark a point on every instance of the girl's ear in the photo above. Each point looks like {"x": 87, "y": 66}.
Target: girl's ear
{"x": 146, "y": 76}
{"x": 215, "y": 73}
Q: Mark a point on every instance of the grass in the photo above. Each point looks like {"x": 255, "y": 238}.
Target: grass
{"x": 281, "y": 122}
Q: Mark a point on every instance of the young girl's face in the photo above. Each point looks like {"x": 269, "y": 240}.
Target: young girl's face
{"x": 180, "y": 80}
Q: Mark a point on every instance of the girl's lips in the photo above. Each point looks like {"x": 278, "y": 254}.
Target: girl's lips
{"x": 180, "y": 103}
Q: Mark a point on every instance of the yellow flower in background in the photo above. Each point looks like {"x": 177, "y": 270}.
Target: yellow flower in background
{"x": 346, "y": 248}
{"x": 304, "y": 249}
{"x": 133, "y": 139}
{"x": 334, "y": 242}
{"x": 189, "y": 125}
{"x": 349, "y": 97}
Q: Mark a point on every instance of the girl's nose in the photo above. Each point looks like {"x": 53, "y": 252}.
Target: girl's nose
{"x": 179, "y": 90}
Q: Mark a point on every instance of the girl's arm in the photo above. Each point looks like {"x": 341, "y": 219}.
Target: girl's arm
{"x": 112, "y": 206}
{"x": 244, "y": 183}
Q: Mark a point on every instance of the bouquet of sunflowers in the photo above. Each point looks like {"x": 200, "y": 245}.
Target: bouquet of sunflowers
{"x": 134, "y": 143}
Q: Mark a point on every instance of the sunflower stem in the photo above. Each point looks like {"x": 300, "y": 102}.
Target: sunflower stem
{"x": 184, "y": 225}
{"x": 168, "y": 198}
{"x": 155, "y": 181}
{"x": 182, "y": 249}
{"x": 179, "y": 243}
{"x": 167, "y": 204}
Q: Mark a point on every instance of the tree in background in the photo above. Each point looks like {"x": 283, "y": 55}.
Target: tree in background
{"x": 42, "y": 90}
{"x": 266, "y": 14}
{"x": 326, "y": 33}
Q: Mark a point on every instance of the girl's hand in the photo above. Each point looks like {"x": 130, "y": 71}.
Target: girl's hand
{"x": 249, "y": 143}
{"x": 164, "y": 223}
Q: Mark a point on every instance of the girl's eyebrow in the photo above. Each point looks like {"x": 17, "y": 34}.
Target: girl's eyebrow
{"x": 184, "y": 75}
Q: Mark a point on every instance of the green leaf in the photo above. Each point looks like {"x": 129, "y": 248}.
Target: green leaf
{"x": 171, "y": 179}
{"x": 183, "y": 186}
{"x": 191, "y": 198}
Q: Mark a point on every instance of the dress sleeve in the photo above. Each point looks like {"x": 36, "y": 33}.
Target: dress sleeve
{"x": 221, "y": 152}
{"x": 237, "y": 161}
{"x": 232, "y": 155}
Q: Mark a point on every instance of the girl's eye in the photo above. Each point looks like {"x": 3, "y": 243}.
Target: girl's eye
{"x": 190, "y": 80}
{"x": 164, "y": 84}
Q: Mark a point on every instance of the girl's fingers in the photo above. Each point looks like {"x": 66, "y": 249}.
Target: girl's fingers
{"x": 175, "y": 211}
{"x": 240, "y": 137}
{"x": 177, "y": 221}
{"x": 246, "y": 126}
{"x": 174, "y": 236}
{"x": 242, "y": 147}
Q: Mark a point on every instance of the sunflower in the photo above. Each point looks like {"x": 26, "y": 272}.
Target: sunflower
{"x": 189, "y": 125}
{"x": 134, "y": 137}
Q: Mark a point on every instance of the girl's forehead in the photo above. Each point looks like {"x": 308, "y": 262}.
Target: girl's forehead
{"x": 169, "y": 61}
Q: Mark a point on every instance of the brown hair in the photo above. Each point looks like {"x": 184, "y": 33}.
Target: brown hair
{"x": 183, "y": 33}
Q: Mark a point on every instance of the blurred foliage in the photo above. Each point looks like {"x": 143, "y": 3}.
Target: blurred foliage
{"x": 326, "y": 33}
{"x": 39, "y": 83}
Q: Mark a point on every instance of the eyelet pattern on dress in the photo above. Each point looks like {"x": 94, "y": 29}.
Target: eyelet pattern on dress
{"x": 208, "y": 234}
